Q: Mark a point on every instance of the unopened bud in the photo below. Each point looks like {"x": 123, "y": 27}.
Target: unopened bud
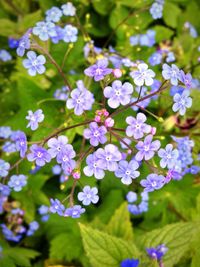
{"x": 117, "y": 73}
{"x": 109, "y": 122}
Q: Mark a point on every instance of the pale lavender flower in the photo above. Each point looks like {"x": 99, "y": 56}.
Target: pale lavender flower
{"x": 108, "y": 157}
{"x": 137, "y": 126}
{"x": 171, "y": 73}
{"x": 44, "y": 30}
{"x": 96, "y": 134}
{"x": 65, "y": 159}
{"x": 68, "y": 9}
{"x": 17, "y": 182}
{"x": 182, "y": 101}
{"x": 34, "y": 63}
{"x": 56, "y": 207}
{"x": 118, "y": 93}
{"x": 4, "y": 167}
{"x": 156, "y": 10}
{"x": 5, "y": 132}
{"x": 70, "y": 34}
{"x": 5, "y": 55}
{"x": 127, "y": 171}
{"x": 24, "y": 44}
{"x": 56, "y": 145}
{"x": 74, "y": 212}
{"x": 53, "y": 14}
{"x": 153, "y": 182}
{"x": 147, "y": 148}
{"x": 39, "y": 154}
{"x": 168, "y": 156}
{"x": 34, "y": 118}
{"x": 93, "y": 167}
{"x": 59, "y": 35}
{"x": 98, "y": 70}
{"x": 143, "y": 75}
{"x": 186, "y": 79}
{"x": 21, "y": 142}
{"x": 9, "y": 147}
{"x": 89, "y": 195}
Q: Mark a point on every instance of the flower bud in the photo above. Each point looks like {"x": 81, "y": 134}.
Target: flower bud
{"x": 117, "y": 73}
{"x": 109, "y": 122}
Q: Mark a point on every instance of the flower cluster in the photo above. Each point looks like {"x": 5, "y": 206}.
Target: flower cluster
{"x": 140, "y": 208}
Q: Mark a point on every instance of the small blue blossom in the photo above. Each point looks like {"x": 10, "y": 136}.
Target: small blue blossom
{"x": 24, "y": 44}
{"x": 4, "y": 190}
{"x": 54, "y": 14}
{"x": 59, "y": 35}
{"x": 33, "y": 226}
{"x": 99, "y": 70}
{"x": 134, "y": 40}
{"x": 89, "y": 195}
{"x": 39, "y": 155}
{"x": 168, "y": 156}
{"x": 70, "y": 34}
{"x": 96, "y": 134}
{"x": 9, "y": 147}
{"x": 147, "y": 148}
{"x": 127, "y": 171}
{"x": 156, "y": 10}
{"x": 92, "y": 167}
{"x": 9, "y": 235}
{"x": 68, "y": 9}
{"x": 182, "y": 102}
{"x": 152, "y": 182}
{"x": 155, "y": 58}
{"x": 131, "y": 197}
{"x": 17, "y": 182}
{"x": 186, "y": 79}
{"x": 148, "y": 39}
{"x": 170, "y": 57}
{"x": 158, "y": 252}
{"x": 13, "y": 43}
{"x": 34, "y": 63}
{"x": 44, "y": 210}
{"x": 57, "y": 145}
{"x": 137, "y": 126}
{"x": 62, "y": 94}
{"x": 176, "y": 90}
{"x": 20, "y": 142}
{"x": 171, "y": 73}
{"x": 5, "y": 55}
{"x": 65, "y": 158}
{"x": 34, "y": 118}
{"x": 5, "y": 132}
{"x": 129, "y": 263}
{"x": 74, "y": 212}
{"x": 44, "y": 30}
{"x": 143, "y": 75}
{"x": 56, "y": 169}
{"x": 4, "y": 167}
{"x": 118, "y": 93}
{"x": 56, "y": 207}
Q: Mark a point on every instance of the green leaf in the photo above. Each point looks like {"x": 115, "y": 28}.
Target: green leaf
{"x": 117, "y": 16}
{"x": 171, "y": 13}
{"x": 162, "y": 33}
{"x": 30, "y": 19}
{"x": 120, "y": 224}
{"x": 102, "y": 7}
{"x": 177, "y": 237}
{"x": 7, "y": 27}
{"x": 105, "y": 250}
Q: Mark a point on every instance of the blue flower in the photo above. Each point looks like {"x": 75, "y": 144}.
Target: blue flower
{"x": 62, "y": 94}
{"x": 57, "y": 145}
{"x": 147, "y": 148}
{"x": 137, "y": 126}
{"x": 68, "y": 9}
{"x": 118, "y": 93}
{"x": 33, "y": 226}
{"x": 155, "y": 58}
{"x": 134, "y": 40}
{"x": 156, "y": 10}
{"x": 127, "y": 171}
{"x": 5, "y": 55}
{"x": 17, "y": 182}
{"x": 89, "y": 195}
{"x": 129, "y": 263}
{"x": 44, "y": 210}
{"x": 152, "y": 182}
{"x": 74, "y": 212}
{"x": 9, "y": 147}
{"x": 56, "y": 207}
{"x": 96, "y": 134}
{"x": 34, "y": 63}
{"x": 158, "y": 252}
{"x": 168, "y": 156}
{"x": 34, "y": 118}
{"x": 182, "y": 102}
{"x": 148, "y": 39}
{"x": 99, "y": 70}
{"x": 92, "y": 167}
{"x": 13, "y": 43}
{"x": 170, "y": 57}
{"x": 186, "y": 79}
{"x": 143, "y": 75}
{"x": 5, "y": 132}
{"x": 59, "y": 35}
{"x": 56, "y": 169}
{"x": 9, "y": 235}
{"x": 44, "y": 30}
{"x": 131, "y": 197}
{"x": 24, "y": 44}
{"x": 171, "y": 73}
{"x": 53, "y": 14}
{"x": 4, "y": 190}
{"x": 20, "y": 142}
{"x": 39, "y": 155}
{"x": 4, "y": 167}
{"x": 70, "y": 34}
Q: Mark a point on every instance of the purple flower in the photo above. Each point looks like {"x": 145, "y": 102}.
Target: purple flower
{"x": 118, "y": 93}
{"x": 56, "y": 169}
{"x": 34, "y": 118}
{"x": 17, "y": 182}
{"x": 143, "y": 75}
{"x": 127, "y": 171}
{"x": 62, "y": 94}
{"x": 5, "y": 132}
{"x": 39, "y": 155}
{"x": 21, "y": 142}
{"x": 65, "y": 159}
{"x": 93, "y": 167}
{"x": 9, "y": 147}
{"x": 89, "y": 195}
{"x": 68, "y": 9}
{"x": 5, "y": 55}
{"x": 70, "y": 34}
{"x": 148, "y": 39}
{"x": 98, "y": 70}
{"x": 131, "y": 197}
{"x": 57, "y": 145}
{"x": 24, "y": 44}
{"x": 53, "y": 14}
{"x": 56, "y": 207}
{"x": 44, "y": 30}
{"x": 158, "y": 252}
{"x": 108, "y": 157}
{"x": 4, "y": 190}
{"x": 137, "y": 126}
{"x": 13, "y": 43}
{"x": 129, "y": 263}
{"x": 153, "y": 182}
{"x": 59, "y": 35}
{"x": 81, "y": 99}
{"x": 168, "y": 156}
{"x": 170, "y": 57}
{"x": 34, "y": 63}
{"x": 186, "y": 79}
{"x": 4, "y": 167}
{"x": 155, "y": 58}
{"x": 156, "y": 10}
{"x": 182, "y": 102}
{"x": 147, "y": 148}
{"x": 171, "y": 73}
{"x": 74, "y": 212}
{"x": 33, "y": 226}
{"x": 9, "y": 235}
{"x": 96, "y": 134}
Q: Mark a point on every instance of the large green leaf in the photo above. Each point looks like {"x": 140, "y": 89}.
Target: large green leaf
{"x": 105, "y": 250}
{"x": 171, "y": 14}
